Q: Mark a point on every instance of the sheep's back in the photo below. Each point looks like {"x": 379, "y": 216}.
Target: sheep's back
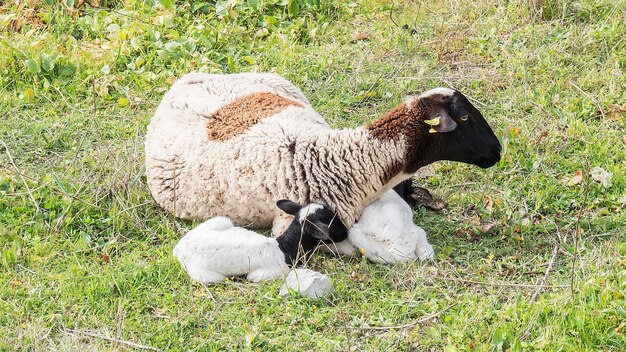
{"x": 195, "y": 175}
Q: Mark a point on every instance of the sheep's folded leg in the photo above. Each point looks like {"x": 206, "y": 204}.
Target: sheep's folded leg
{"x": 423, "y": 249}
{"x": 425, "y": 252}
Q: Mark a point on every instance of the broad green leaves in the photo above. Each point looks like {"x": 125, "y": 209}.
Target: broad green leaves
{"x": 294, "y": 7}
{"x": 44, "y": 63}
{"x": 166, "y": 3}
{"x": 33, "y": 66}
{"x": 47, "y": 62}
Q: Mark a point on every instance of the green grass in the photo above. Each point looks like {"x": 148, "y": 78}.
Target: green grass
{"x": 84, "y": 249}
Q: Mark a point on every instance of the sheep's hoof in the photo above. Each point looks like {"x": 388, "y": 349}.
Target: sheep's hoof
{"x": 423, "y": 198}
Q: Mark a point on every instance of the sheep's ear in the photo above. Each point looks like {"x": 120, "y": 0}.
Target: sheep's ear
{"x": 289, "y": 207}
{"x": 441, "y": 123}
{"x": 434, "y": 105}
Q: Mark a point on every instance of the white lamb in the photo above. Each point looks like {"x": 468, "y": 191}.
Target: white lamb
{"x": 385, "y": 233}
{"x": 217, "y": 249}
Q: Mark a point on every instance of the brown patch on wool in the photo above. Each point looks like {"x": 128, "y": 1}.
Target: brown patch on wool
{"x": 403, "y": 120}
{"x": 244, "y": 112}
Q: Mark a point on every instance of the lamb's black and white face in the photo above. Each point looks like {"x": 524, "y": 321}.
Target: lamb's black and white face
{"x": 322, "y": 223}
{"x": 318, "y": 220}
{"x": 459, "y": 132}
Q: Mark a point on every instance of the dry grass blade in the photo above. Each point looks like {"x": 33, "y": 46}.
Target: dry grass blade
{"x": 423, "y": 320}
{"x": 17, "y": 171}
{"x": 114, "y": 340}
{"x": 555, "y": 250}
{"x": 503, "y": 284}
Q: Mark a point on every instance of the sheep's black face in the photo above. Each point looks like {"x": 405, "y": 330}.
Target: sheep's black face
{"x": 460, "y": 133}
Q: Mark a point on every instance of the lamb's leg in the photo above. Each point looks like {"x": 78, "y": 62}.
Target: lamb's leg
{"x": 405, "y": 248}
{"x": 372, "y": 250}
{"x": 265, "y": 274}
{"x": 423, "y": 249}
{"x": 207, "y": 277}
{"x": 342, "y": 248}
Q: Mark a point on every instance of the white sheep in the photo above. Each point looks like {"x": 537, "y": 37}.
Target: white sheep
{"x": 217, "y": 249}
{"x": 232, "y": 145}
{"x": 385, "y": 233}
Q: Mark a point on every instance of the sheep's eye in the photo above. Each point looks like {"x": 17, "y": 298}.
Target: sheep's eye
{"x": 464, "y": 118}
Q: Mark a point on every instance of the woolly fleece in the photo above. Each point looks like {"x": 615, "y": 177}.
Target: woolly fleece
{"x": 293, "y": 154}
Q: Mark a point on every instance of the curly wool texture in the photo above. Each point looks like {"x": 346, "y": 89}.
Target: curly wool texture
{"x": 396, "y": 121}
{"x": 292, "y": 154}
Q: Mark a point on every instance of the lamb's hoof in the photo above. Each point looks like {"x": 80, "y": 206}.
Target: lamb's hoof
{"x": 308, "y": 283}
{"x": 425, "y": 252}
{"x": 423, "y": 198}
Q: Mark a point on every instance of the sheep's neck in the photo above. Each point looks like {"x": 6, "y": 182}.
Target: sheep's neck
{"x": 404, "y": 121}
{"x": 347, "y": 169}
{"x": 294, "y": 244}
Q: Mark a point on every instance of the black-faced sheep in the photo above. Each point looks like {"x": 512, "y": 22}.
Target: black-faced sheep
{"x": 217, "y": 249}
{"x": 235, "y": 144}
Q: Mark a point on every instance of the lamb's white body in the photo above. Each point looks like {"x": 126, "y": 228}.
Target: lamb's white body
{"x": 216, "y": 249}
{"x": 197, "y": 177}
{"x": 385, "y": 233}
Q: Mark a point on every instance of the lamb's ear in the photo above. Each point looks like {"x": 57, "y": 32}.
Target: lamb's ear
{"x": 441, "y": 123}
{"x": 289, "y": 207}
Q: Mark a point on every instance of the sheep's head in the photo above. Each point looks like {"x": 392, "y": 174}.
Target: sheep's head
{"x": 316, "y": 220}
{"x": 456, "y": 130}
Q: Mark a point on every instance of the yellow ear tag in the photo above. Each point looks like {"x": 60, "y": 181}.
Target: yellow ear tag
{"x": 432, "y": 130}
{"x": 432, "y": 122}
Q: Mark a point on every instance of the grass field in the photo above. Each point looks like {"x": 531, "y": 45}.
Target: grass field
{"x": 530, "y": 254}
